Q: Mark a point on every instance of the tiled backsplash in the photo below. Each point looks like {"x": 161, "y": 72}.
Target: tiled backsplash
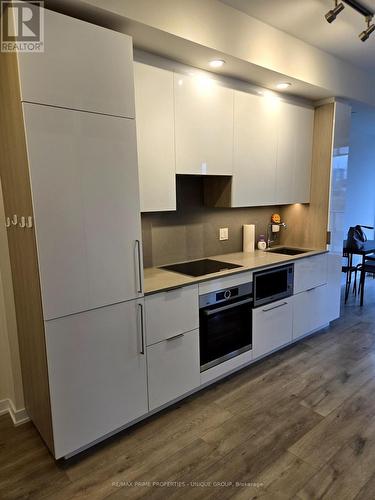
{"x": 192, "y": 232}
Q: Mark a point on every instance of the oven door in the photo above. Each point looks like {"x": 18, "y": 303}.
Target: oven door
{"x": 225, "y": 331}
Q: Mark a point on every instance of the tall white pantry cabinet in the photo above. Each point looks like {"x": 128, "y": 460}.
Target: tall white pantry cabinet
{"x": 70, "y": 181}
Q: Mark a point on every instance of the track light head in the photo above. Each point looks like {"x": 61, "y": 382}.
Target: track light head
{"x": 332, "y": 14}
{"x": 365, "y": 35}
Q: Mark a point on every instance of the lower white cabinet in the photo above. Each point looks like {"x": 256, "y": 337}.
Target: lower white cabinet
{"x": 311, "y": 310}
{"x": 272, "y": 326}
{"x": 170, "y": 313}
{"x": 310, "y": 272}
{"x": 97, "y": 373}
{"x": 173, "y": 368}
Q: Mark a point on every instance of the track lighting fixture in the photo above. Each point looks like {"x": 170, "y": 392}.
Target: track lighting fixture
{"x": 365, "y": 35}
{"x": 332, "y": 14}
{"x": 359, "y": 7}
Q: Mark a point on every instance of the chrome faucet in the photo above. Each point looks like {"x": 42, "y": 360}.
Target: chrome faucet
{"x": 269, "y": 231}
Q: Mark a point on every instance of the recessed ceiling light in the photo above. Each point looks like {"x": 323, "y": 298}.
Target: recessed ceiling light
{"x": 283, "y": 86}
{"x": 217, "y": 63}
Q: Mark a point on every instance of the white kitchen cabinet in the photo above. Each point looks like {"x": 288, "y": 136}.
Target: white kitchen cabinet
{"x": 173, "y": 368}
{"x": 155, "y": 137}
{"x": 255, "y": 150}
{"x": 171, "y": 313}
{"x": 84, "y": 179}
{"x": 294, "y": 154}
{"x": 334, "y": 276}
{"x": 97, "y": 373}
{"x": 272, "y": 326}
{"x": 203, "y": 126}
{"x": 310, "y": 272}
{"x": 311, "y": 311}
{"x": 83, "y": 66}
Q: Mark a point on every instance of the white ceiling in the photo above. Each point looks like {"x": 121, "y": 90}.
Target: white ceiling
{"x": 305, "y": 20}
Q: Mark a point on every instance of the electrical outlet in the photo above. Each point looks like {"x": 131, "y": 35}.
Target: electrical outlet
{"x": 223, "y": 234}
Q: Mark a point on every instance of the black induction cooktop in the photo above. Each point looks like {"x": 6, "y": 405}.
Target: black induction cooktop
{"x": 200, "y": 267}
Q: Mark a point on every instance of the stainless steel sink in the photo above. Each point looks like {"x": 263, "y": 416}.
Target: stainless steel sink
{"x": 287, "y": 251}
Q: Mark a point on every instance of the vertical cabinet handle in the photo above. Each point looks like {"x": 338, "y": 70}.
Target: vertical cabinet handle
{"x": 140, "y": 270}
{"x": 140, "y": 308}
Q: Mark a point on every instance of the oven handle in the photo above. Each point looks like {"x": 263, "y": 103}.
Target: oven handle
{"x": 225, "y": 308}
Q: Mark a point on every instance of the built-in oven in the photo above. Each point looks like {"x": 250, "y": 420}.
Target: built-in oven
{"x": 273, "y": 284}
{"x": 225, "y": 324}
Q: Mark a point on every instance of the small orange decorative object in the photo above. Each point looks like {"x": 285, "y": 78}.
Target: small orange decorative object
{"x": 275, "y": 218}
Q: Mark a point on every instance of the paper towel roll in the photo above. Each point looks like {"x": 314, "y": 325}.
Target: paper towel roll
{"x": 249, "y": 237}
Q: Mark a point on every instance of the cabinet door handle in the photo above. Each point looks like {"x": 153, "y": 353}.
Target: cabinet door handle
{"x": 140, "y": 308}
{"x": 311, "y": 289}
{"x": 275, "y": 307}
{"x": 176, "y": 337}
{"x": 139, "y": 258}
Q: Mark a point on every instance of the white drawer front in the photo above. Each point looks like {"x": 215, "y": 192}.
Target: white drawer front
{"x": 272, "y": 326}
{"x": 310, "y": 272}
{"x": 171, "y": 313}
{"x": 311, "y": 311}
{"x": 173, "y": 368}
{"x": 225, "y": 282}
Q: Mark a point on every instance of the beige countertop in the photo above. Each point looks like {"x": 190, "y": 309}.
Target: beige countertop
{"x": 156, "y": 279}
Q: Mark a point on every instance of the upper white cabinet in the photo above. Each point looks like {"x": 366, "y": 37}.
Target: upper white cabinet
{"x": 203, "y": 126}
{"x": 155, "y": 137}
{"x": 255, "y": 150}
{"x": 294, "y": 154}
{"x": 97, "y": 373}
{"x": 83, "y": 67}
{"x": 84, "y": 180}
{"x": 263, "y": 143}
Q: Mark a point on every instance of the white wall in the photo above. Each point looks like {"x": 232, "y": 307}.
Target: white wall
{"x": 360, "y": 198}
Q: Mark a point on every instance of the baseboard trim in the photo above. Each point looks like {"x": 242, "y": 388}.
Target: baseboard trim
{"x": 4, "y": 406}
{"x": 18, "y": 417}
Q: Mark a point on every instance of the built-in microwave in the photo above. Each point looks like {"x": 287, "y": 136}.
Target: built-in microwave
{"x": 273, "y": 284}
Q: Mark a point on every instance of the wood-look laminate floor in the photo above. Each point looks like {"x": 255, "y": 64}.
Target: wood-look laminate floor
{"x": 300, "y": 424}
